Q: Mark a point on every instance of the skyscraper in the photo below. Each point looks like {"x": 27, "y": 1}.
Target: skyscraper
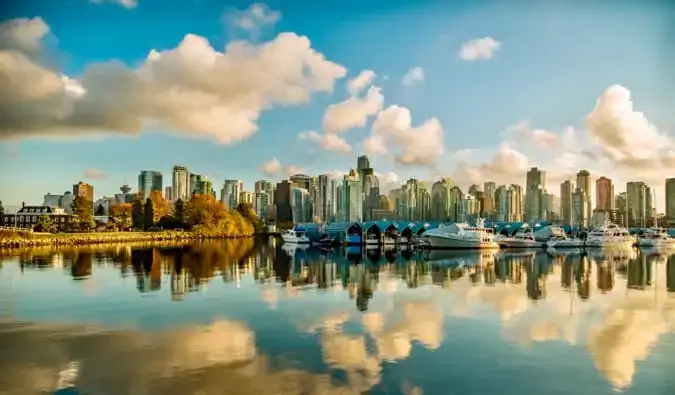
{"x": 180, "y": 185}
{"x": 84, "y": 190}
{"x": 230, "y": 192}
{"x": 670, "y": 201}
{"x": 149, "y": 181}
{"x": 638, "y": 204}
{"x": 584, "y": 183}
{"x": 604, "y": 194}
{"x": 282, "y": 201}
{"x": 566, "y": 191}
{"x": 535, "y": 193}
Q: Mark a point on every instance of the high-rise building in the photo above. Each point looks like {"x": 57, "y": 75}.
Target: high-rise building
{"x": 584, "y": 183}
{"x": 604, "y": 194}
{"x": 261, "y": 204}
{"x": 638, "y": 204}
{"x": 440, "y": 200}
{"x": 670, "y": 201}
{"x": 149, "y": 181}
{"x": 362, "y": 162}
{"x": 301, "y": 181}
{"x": 489, "y": 189}
{"x": 620, "y": 202}
{"x": 246, "y": 197}
{"x": 371, "y": 192}
{"x": 84, "y": 190}
{"x": 168, "y": 194}
{"x": 535, "y": 192}
{"x": 263, "y": 186}
{"x": 180, "y": 185}
{"x": 301, "y": 205}
{"x": 230, "y": 192}
{"x": 282, "y": 202}
{"x": 566, "y": 191}
{"x": 580, "y": 212}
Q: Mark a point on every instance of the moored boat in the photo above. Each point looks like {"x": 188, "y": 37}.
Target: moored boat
{"x": 460, "y": 236}
{"x": 295, "y": 236}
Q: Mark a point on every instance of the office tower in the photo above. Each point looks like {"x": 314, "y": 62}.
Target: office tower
{"x": 282, "y": 201}
{"x": 535, "y": 191}
{"x": 362, "y": 162}
{"x": 489, "y": 189}
{"x": 301, "y": 205}
{"x": 246, "y": 197}
{"x": 263, "y": 186}
{"x": 580, "y": 212}
{"x": 566, "y": 191}
{"x": 638, "y": 204}
{"x": 230, "y": 192}
{"x": 168, "y": 194}
{"x": 371, "y": 192}
{"x": 441, "y": 207}
{"x": 604, "y": 194}
{"x": 84, "y": 190}
{"x": 325, "y": 198}
{"x": 620, "y": 202}
{"x": 180, "y": 185}
{"x": 149, "y": 181}
{"x": 301, "y": 181}
{"x": 584, "y": 183}
{"x": 352, "y": 198}
{"x": 261, "y": 204}
{"x": 670, "y": 201}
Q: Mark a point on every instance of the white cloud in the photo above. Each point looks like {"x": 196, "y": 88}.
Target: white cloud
{"x": 94, "y": 174}
{"x": 328, "y": 141}
{"x": 192, "y": 89}
{"x": 291, "y": 170}
{"x": 353, "y": 112}
{"x": 23, "y": 34}
{"x": 252, "y": 19}
{"x": 618, "y": 142}
{"x": 129, "y": 4}
{"x": 413, "y": 76}
{"x": 479, "y": 49}
{"x": 360, "y": 82}
{"x": 413, "y": 145}
{"x": 271, "y": 167}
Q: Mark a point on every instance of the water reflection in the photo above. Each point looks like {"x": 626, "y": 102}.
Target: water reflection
{"x": 264, "y": 318}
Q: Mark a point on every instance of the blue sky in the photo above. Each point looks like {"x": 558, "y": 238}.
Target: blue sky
{"x": 554, "y": 61}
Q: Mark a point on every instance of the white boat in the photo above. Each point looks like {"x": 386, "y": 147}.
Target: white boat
{"x": 461, "y": 236}
{"x": 295, "y": 236}
{"x": 656, "y": 238}
{"x": 609, "y": 236}
{"x": 521, "y": 240}
{"x": 560, "y": 242}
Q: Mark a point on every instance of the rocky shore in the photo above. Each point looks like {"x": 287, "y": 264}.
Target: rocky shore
{"x": 28, "y": 239}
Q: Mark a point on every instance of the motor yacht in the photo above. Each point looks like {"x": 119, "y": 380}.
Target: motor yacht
{"x": 562, "y": 241}
{"x": 461, "y": 236}
{"x": 609, "y": 236}
{"x": 657, "y": 238}
{"x": 521, "y": 240}
{"x": 295, "y": 236}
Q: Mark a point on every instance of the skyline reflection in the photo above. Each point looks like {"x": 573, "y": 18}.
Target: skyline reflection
{"x": 367, "y": 310}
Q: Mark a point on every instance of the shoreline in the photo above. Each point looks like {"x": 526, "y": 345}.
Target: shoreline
{"x": 27, "y": 239}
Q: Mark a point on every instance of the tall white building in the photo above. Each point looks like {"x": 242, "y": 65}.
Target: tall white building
{"x": 180, "y": 185}
{"x": 229, "y": 195}
{"x": 301, "y": 205}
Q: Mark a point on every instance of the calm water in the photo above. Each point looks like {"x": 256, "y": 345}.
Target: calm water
{"x": 234, "y": 318}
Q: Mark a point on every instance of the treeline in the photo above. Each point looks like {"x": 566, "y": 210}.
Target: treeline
{"x": 202, "y": 214}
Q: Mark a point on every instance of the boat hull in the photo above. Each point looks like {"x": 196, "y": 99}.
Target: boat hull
{"x": 457, "y": 243}
{"x": 623, "y": 243}
{"x": 515, "y": 243}
{"x": 295, "y": 240}
{"x": 571, "y": 243}
{"x": 656, "y": 243}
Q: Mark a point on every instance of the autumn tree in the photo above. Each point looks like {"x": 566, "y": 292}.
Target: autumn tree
{"x": 44, "y": 224}
{"x": 204, "y": 210}
{"x": 137, "y": 215}
{"x": 246, "y": 211}
{"x": 121, "y": 213}
{"x": 83, "y": 209}
{"x": 159, "y": 205}
{"x": 2, "y": 212}
{"x": 148, "y": 214}
{"x": 179, "y": 211}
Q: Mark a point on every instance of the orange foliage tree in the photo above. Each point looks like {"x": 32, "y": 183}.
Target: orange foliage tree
{"x": 160, "y": 205}
{"x": 121, "y": 213}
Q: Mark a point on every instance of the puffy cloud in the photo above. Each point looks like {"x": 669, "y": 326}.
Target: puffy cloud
{"x": 23, "y": 34}
{"x": 393, "y": 131}
{"x": 413, "y": 76}
{"x": 616, "y": 141}
{"x": 129, "y": 4}
{"x": 252, "y": 19}
{"x": 328, "y": 141}
{"x": 360, "y": 82}
{"x": 291, "y": 170}
{"x": 192, "y": 89}
{"x": 271, "y": 167}
{"x": 353, "y": 112}
{"x": 94, "y": 174}
{"x": 479, "y": 49}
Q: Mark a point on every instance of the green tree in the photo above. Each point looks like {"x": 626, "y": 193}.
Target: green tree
{"x": 2, "y": 212}
{"x": 149, "y": 213}
{"x": 137, "y": 215}
{"x": 100, "y": 210}
{"x": 44, "y": 224}
{"x": 83, "y": 209}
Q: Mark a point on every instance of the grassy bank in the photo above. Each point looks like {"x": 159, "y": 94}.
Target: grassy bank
{"x": 22, "y": 239}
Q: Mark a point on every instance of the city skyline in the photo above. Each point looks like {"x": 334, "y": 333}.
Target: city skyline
{"x": 427, "y": 111}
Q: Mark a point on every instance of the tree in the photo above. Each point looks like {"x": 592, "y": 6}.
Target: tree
{"x": 44, "y": 224}
{"x": 83, "y": 209}
{"x": 121, "y": 214}
{"x": 179, "y": 211}
{"x": 2, "y": 212}
{"x": 100, "y": 210}
{"x": 149, "y": 213}
{"x": 137, "y": 214}
{"x": 159, "y": 204}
